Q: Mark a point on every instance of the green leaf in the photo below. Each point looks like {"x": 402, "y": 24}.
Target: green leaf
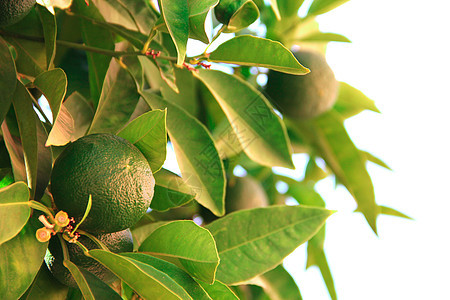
{"x": 53, "y": 84}
{"x": 176, "y": 17}
{"x": 289, "y": 8}
{"x": 372, "y": 158}
{"x": 91, "y": 286}
{"x": 325, "y": 37}
{"x": 271, "y": 54}
{"x": 322, "y": 6}
{"x": 20, "y": 260}
{"x": 23, "y": 107}
{"x": 170, "y": 191}
{"x": 140, "y": 12}
{"x": 117, "y": 102}
{"x": 351, "y": 101}
{"x": 141, "y": 231}
{"x": 48, "y": 21}
{"x": 15, "y": 151}
{"x": 218, "y": 290}
{"x": 267, "y": 236}
{"x": 331, "y": 140}
{"x": 197, "y": 28}
{"x": 94, "y": 36}
{"x": 278, "y": 284}
{"x": 393, "y": 212}
{"x": 186, "y": 97}
{"x": 14, "y": 210}
{"x": 44, "y": 160}
{"x": 316, "y": 256}
{"x": 8, "y": 79}
{"x": 148, "y": 133}
{"x": 243, "y": 17}
{"x": 276, "y": 11}
{"x": 187, "y": 244}
{"x": 45, "y": 287}
{"x": 149, "y": 281}
{"x": 196, "y": 154}
{"x": 72, "y": 121}
{"x": 31, "y": 55}
{"x": 259, "y": 129}
{"x": 199, "y": 7}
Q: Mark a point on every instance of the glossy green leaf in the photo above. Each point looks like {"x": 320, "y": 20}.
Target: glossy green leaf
{"x": 278, "y": 284}
{"x": 325, "y": 37}
{"x": 373, "y": 159}
{"x": 31, "y": 55}
{"x": 138, "y": 10}
{"x": 23, "y": 107}
{"x": 44, "y": 160}
{"x": 289, "y": 8}
{"x": 322, "y": 6}
{"x": 8, "y": 78}
{"x": 187, "y": 244}
{"x": 180, "y": 277}
{"x": 259, "y": 129}
{"x": 316, "y": 256}
{"x": 392, "y": 212}
{"x": 197, "y": 28}
{"x": 53, "y": 84}
{"x": 148, "y": 133}
{"x": 198, "y": 7}
{"x": 186, "y": 97}
{"x": 218, "y": 290}
{"x": 91, "y": 286}
{"x": 94, "y": 36}
{"x": 147, "y": 280}
{"x": 14, "y": 210}
{"x": 141, "y": 231}
{"x": 276, "y": 11}
{"x": 176, "y": 17}
{"x": 15, "y": 152}
{"x": 243, "y": 17}
{"x": 117, "y": 102}
{"x": 20, "y": 260}
{"x": 267, "y": 236}
{"x": 45, "y": 287}
{"x": 313, "y": 172}
{"x": 196, "y": 154}
{"x": 170, "y": 191}
{"x": 351, "y": 101}
{"x": 271, "y": 54}
{"x": 72, "y": 121}
{"x": 331, "y": 140}
{"x": 48, "y": 21}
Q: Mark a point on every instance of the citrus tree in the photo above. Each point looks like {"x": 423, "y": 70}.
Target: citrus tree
{"x": 93, "y": 92}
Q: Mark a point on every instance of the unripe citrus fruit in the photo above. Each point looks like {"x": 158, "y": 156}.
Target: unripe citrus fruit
{"x": 116, "y": 242}
{"x": 244, "y": 193}
{"x": 304, "y": 96}
{"x": 12, "y": 11}
{"x": 113, "y": 171}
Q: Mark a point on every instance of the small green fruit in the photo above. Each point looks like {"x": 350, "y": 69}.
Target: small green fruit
{"x": 12, "y": 11}
{"x": 244, "y": 193}
{"x": 226, "y": 8}
{"x": 304, "y": 96}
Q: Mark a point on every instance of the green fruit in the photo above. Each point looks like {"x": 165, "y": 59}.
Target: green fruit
{"x": 304, "y": 96}
{"x": 244, "y": 193}
{"x": 113, "y": 171}
{"x": 116, "y": 242}
{"x": 226, "y": 9}
{"x": 12, "y": 11}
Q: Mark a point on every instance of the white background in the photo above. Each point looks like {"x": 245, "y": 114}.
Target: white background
{"x": 399, "y": 58}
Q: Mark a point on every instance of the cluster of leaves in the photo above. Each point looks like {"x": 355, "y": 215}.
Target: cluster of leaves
{"x": 120, "y": 66}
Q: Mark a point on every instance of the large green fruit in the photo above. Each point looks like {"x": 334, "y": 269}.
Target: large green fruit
{"x": 226, "y": 9}
{"x": 12, "y": 11}
{"x": 304, "y": 96}
{"x": 244, "y": 193}
{"x": 116, "y": 242}
{"x": 113, "y": 171}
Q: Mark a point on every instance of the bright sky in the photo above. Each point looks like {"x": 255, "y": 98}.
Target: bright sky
{"x": 399, "y": 58}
